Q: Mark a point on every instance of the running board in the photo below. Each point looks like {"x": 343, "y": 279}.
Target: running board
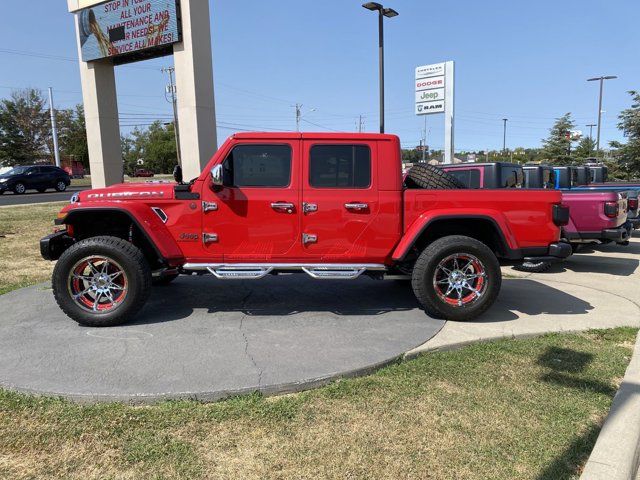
{"x": 239, "y": 271}
{"x": 334, "y": 272}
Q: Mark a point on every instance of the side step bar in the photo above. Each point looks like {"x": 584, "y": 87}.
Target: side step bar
{"x": 253, "y": 271}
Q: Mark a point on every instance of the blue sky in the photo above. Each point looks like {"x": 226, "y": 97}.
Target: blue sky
{"x": 524, "y": 60}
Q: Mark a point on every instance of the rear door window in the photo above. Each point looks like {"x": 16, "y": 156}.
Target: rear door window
{"x": 340, "y": 166}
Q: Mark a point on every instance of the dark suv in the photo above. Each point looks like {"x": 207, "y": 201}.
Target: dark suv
{"x": 34, "y": 177}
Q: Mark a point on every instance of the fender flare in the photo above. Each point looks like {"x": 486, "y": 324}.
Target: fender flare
{"x": 154, "y": 231}
{"x": 422, "y": 223}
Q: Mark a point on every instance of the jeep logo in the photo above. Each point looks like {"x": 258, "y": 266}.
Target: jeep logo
{"x": 189, "y": 237}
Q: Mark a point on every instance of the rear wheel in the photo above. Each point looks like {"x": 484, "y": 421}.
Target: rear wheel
{"x": 19, "y": 188}
{"x": 101, "y": 281}
{"x": 456, "y": 278}
{"x": 428, "y": 176}
{"x": 61, "y": 186}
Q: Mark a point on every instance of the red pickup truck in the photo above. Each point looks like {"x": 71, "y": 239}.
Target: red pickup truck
{"x": 330, "y": 205}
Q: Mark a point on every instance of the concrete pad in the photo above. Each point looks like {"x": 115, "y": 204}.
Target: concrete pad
{"x": 207, "y": 339}
{"x": 526, "y": 307}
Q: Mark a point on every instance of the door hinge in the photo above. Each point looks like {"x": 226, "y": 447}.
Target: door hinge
{"x": 209, "y": 238}
{"x": 209, "y": 207}
{"x": 309, "y": 238}
{"x": 309, "y": 207}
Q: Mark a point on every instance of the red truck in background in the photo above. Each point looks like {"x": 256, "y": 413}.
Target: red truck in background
{"x": 330, "y": 205}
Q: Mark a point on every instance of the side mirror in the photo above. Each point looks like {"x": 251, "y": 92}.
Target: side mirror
{"x": 217, "y": 180}
{"x": 177, "y": 174}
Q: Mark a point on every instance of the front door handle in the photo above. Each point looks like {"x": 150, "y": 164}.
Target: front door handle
{"x": 356, "y": 206}
{"x": 284, "y": 207}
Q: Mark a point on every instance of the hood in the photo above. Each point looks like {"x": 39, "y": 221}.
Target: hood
{"x": 129, "y": 191}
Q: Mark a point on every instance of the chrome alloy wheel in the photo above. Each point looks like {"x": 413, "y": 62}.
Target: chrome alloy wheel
{"x": 97, "y": 284}
{"x": 460, "y": 279}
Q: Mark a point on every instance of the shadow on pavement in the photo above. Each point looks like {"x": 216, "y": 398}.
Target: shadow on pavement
{"x": 291, "y": 294}
{"x": 532, "y": 298}
{"x": 585, "y": 263}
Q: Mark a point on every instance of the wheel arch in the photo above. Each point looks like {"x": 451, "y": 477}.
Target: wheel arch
{"x": 149, "y": 234}
{"x": 481, "y": 227}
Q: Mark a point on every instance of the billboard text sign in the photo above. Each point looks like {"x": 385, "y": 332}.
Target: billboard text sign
{"x": 122, "y": 27}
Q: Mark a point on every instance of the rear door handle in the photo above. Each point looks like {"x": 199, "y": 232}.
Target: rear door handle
{"x": 284, "y": 207}
{"x": 356, "y": 206}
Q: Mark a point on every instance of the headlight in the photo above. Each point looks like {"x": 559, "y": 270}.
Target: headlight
{"x": 75, "y": 198}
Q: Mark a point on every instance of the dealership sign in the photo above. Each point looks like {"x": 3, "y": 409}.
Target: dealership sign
{"x": 120, "y": 28}
{"x": 433, "y": 88}
{"x": 430, "y": 84}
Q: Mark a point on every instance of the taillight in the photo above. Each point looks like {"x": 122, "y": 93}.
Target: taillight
{"x": 633, "y": 204}
{"x": 560, "y": 215}
{"x": 611, "y": 209}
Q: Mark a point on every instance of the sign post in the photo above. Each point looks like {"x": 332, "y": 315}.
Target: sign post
{"x": 113, "y": 32}
{"x": 434, "y": 93}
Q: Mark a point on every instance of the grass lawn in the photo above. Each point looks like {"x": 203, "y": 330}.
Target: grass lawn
{"x": 509, "y": 409}
{"x": 20, "y": 231}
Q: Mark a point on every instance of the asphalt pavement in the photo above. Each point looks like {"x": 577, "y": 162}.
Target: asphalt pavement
{"x": 32, "y": 197}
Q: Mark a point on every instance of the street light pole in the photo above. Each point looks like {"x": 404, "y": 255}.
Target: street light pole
{"x": 601, "y": 80}
{"x": 504, "y": 135}
{"x": 389, "y": 13}
{"x": 591, "y": 125}
{"x": 174, "y": 103}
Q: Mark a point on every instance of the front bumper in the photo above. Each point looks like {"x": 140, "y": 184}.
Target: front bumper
{"x": 52, "y": 246}
{"x": 556, "y": 252}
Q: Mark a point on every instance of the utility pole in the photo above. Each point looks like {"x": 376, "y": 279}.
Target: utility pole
{"x": 54, "y": 129}
{"x": 504, "y": 136}
{"x": 601, "y": 80}
{"x": 360, "y": 124}
{"x": 171, "y": 88}
{"x": 298, "y": 108}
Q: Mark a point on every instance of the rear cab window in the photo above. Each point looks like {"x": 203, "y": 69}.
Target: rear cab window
{"x": 470, "y": 178}
{"x": 511, "y": 177}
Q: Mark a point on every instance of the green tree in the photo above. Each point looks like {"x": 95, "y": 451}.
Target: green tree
{"x": 585, "y": 149}
{"x": 73, "y": 134}
{"x": 555, "y": 148}
{"x": 154, "y": 146}
{"x": 628, "y": 154}
{"x": 24, "y": 127}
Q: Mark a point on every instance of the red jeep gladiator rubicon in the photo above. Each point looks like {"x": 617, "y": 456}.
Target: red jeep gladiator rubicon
{"x": 330, "y": 205}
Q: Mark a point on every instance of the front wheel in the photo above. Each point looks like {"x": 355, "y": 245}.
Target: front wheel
{"x": 456, "y": 278}
{"x": 101, "y": 281}
{"x": 19, "y": 188}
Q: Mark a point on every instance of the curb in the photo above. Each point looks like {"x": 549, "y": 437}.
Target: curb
{"x": 616, "y": 454}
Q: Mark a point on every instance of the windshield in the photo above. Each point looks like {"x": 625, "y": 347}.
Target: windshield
{"x": 17, "y": 171}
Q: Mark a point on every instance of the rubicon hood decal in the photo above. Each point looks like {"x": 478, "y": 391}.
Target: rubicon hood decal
{"x": 131, "y": 194}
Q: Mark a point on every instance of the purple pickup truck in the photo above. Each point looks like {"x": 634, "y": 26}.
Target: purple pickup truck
{"x": 594, "y": 216}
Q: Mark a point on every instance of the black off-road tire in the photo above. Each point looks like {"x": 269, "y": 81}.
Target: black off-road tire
{"x": 428, "y": 176}
{"x": 164, "y": 280}
{"x": 425, "y": 269}
{"x": 19, "y": 188}
{"x": 132, "y": 261}
{"x": 534, "y": 267}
